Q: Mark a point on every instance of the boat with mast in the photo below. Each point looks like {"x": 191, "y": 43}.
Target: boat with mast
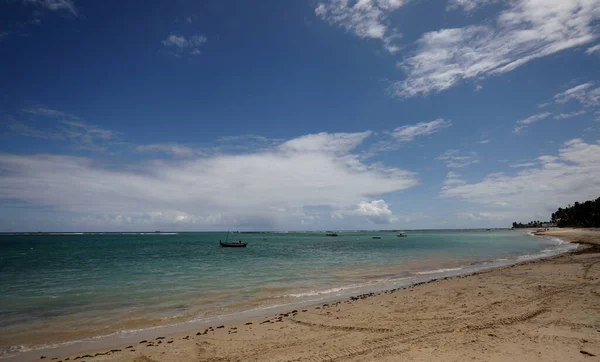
{"x": 232, "y": 244}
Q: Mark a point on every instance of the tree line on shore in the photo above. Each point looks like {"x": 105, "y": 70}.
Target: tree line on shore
{"x": 580, "y": 214}
{"x": 584, "y": 215}
{"x": 531, "y": 224}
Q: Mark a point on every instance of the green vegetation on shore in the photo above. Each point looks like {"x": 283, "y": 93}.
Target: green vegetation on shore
{"x": 583, "y": 215}
{"x": 531, "y": 224}
{"x": 586, "y": 214}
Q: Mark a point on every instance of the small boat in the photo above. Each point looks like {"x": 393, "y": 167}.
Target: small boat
{"x": 330, "y": 233}
{"x": 232, "y": 244}
{"x": 375, "y": 237}
{"x": 401, "y": 235}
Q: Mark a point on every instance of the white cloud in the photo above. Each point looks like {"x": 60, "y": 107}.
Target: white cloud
{"x": 376, "y": 211}
{"x": 336, "y": 143}
{"x": 570, "y": 176}
{"x": 87, "y": 136}
{"x": 169, "y": 149}
{"x": 583, "y": 93}
{"x": 526, "y": 164}
{"x": 409, "y": 132}
{"x": 527, "y": 30}
{"x": 485, "y": 142}
{"x": 40, "y": 110}
{"x": 25, "y": 130}
{"x": 454, "y": 159}
{"x": 522, "y": 124}
{"x": 453, "y": 179}
{"x": 181, "y": 44}
{"x": 594, "y": 49}
{"x": 269, "y": 187}
{"x": 469, "y": 5}
{"x": 81, "y": 135}
{"x": 175, "y": 41}
{"x": 55, "y": 5}
{"x": 543, "y": 105}
{"x": 479, "y": 216}
{"x": 478, "y": 88}
{"x": 364, "y": 18}
{"x": 569, "y": 115}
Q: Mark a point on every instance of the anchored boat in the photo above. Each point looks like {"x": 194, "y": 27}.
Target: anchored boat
{"x": 232, "y": 244}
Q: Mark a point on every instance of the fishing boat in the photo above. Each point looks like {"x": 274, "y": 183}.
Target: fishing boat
{"x": 330, "y": 233}
{"x": 232, "y": 244}
{"x": 401, "y": 235}
{"x": 375, "y": 237}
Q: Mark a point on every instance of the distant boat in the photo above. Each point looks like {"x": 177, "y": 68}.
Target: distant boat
{"x": 330, "y": 233}
{"x": 232, "y": 244}
{"x": 375, "y": 237}
{"x": 401, "y": 235}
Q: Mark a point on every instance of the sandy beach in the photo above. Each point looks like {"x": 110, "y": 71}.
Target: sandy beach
{"x": 543, "y": 310}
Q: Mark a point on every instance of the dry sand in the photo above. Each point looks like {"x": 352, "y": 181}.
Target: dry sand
{"x": 544, "y": 310}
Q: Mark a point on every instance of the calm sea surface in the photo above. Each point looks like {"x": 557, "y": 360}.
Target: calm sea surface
{"x": 59, "y": 288}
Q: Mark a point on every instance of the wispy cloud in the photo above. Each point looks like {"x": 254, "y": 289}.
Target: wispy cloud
{"x": 453, "y": 179}
{"x": 365, "y": 18}
{"x": 484, "y": 142}
{"x": 55, "y": 5}
{"x": 80, "y": 134}
{"x": 173, "y": 149}
{"x": 526, "y": 30}
{"x": 526, "y": 164}
{"x": 559, "y": 180}
{"x": 522, "y": 124}
{"x": 584, "y": 93}
{"x": 454, "y": 159}
{"x": 468, "y": 5}
{"x": 544, "y": 105}
{"x": 41, "y": 110}
{"x": 570, "y": 115}
{"x": 181, "y": 44}
{"x": 409, "y": 132}
{"x": 393, "y": 140}
{"x": 25, "y": 130}
{"x": 594, "y": 49}
{"x": 87, "y": 136}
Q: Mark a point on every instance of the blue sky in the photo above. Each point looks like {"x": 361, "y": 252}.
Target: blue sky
{"x": 296, "y": 115}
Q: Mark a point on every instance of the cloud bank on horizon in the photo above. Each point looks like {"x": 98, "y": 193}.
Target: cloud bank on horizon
{"x": 464, "y": 132}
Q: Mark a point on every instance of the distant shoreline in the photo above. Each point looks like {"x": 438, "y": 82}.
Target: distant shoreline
{"x": 237, "y": 232}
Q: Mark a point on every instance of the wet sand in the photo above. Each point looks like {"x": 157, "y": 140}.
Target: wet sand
{"x": 543, "y": 310}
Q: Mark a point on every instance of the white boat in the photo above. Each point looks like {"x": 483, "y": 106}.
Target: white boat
{"x": 401, "y": 235}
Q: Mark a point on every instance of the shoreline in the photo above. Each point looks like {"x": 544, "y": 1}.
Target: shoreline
{"x": 235, "y": 324}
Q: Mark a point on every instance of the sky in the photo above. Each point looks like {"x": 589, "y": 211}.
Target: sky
{"x": 296, "y": 115}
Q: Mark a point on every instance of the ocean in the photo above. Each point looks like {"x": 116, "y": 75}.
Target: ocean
{"x": 61, "y": 288}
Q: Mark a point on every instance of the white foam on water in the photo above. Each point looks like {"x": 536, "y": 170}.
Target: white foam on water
{"x": 437, "y": 271}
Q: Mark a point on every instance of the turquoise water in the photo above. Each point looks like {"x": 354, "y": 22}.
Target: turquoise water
{"x": 58, "y": 288}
